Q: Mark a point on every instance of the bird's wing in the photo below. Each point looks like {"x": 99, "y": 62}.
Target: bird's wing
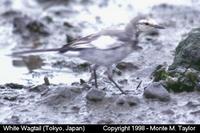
{"x": 94, "y": 41}
{"x": 106, "y": 42}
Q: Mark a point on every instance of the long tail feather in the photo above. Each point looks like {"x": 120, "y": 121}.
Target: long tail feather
{"x": 36, "y": 51}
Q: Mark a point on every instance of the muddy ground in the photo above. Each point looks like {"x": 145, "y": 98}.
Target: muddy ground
{"x": 31, "y": 24}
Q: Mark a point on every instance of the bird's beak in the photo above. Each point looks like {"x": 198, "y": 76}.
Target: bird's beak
{"x": 158, "y": 26}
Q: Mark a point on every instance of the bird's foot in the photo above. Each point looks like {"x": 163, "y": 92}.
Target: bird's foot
{"x": 120, "y": 88}
{"x": 122, "y": 91}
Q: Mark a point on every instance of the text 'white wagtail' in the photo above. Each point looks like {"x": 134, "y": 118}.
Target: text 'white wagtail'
{"x": 107, "y": 47}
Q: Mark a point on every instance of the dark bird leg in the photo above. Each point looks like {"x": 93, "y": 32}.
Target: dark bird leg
{"x": 94, "y": 74}
{"x": 110, "y": 74}
{"x": 95, "y": 78}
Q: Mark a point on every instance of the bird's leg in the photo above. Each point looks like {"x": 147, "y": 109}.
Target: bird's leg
{"x": 94, "y": 74}
{"x": 110, "y": 74}
{"x": 95, "y": 78}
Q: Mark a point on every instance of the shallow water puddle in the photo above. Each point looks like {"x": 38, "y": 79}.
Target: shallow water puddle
{"x": 20, "y": 74}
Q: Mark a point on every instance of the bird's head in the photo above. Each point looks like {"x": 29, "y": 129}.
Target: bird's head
{"x": 147, "y": 24}
{"x": 141, "y": 24}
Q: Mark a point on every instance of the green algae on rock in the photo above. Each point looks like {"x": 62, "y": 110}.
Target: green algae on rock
{"x": 160, "y": 73}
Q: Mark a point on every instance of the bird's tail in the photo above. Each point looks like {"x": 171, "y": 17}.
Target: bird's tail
{"x": 36, "y": 51}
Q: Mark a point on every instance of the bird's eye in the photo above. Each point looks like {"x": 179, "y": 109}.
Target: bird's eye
{"x": 146, "y": 23}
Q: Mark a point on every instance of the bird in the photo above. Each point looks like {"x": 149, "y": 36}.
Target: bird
{"x": 106, "y": 47}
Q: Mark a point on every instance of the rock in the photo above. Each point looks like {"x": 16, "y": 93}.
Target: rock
{"x": 160, "y": 73}
{"x": 186, "y": 81}
{"x": 11, "y": 13}
{"x": 48, "y": 19}
{"x": 95, "y": 95}
{"x": 10, "y": 97}
{"x": 184, "y": 73}
{"x": 123, "y": 81}
{"x": 69, "y": 25}
{"x": 81, "y": 67}
{"x": 132, "y": 100}
{"x": 29, "y": 28}
{"x": 120, "y": 101}
{"x": 198, "y": 86}
{"x": 2, "y": 87}
{"x": 75, "y": 84}
{"x": 156, "y": 91}
{"x": 13, "y": 120}
{"x": 37, "y": 27}
{"x": 75, "y": 108}
{"x": 195, "y": 112}
{"x": 126, "y": 66}
{"x": 127, "y": 99}
{"x": 168, "y": 112}
{"x": 192, "y": 104}
{"x": 56, "y": 95}
{"x": 53, "y": 2}
{"x": 76, "y": 89}
{"x": 38, "y": 88}
{"x": 188, "y": 51}
{"x": 14, "y": 86}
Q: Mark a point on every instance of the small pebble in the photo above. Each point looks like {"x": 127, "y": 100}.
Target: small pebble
{"x": 156, "y": 91}
{"x": 120, "y": 101}
{"x": 95, "y": 95}
{"x": 132, "y": 100}
{"x": 10, "y": 98}
{"x": 168, "y": 112}
{"x": 14, "y": 86}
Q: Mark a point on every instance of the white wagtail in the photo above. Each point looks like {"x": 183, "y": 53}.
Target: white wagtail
{"x": 107, "y": 47}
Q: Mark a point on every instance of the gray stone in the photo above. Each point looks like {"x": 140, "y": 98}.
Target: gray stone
{"x": 14, "y": 86}
{"x": 127, "y": 99}
{"x": 76, "y": 89}
{"x": 195, "y": 112}
{"x": 156, "y": 91}
{"x": 11, "y": 97}
{"x": 95, "y": 95}
{"x": 120, "y": 101}
{"x": 13, "y": 120}
{"x": 188, "y": 51}
{"x": 132, "y": 100}
{"x": 192, "y": 104}
{"x": 126, "y": 66}
{"x": 38, "y": 88}
{"x": 168, "y": 112}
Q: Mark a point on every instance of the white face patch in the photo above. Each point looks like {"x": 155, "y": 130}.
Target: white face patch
{"x": 146, "y": 25}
